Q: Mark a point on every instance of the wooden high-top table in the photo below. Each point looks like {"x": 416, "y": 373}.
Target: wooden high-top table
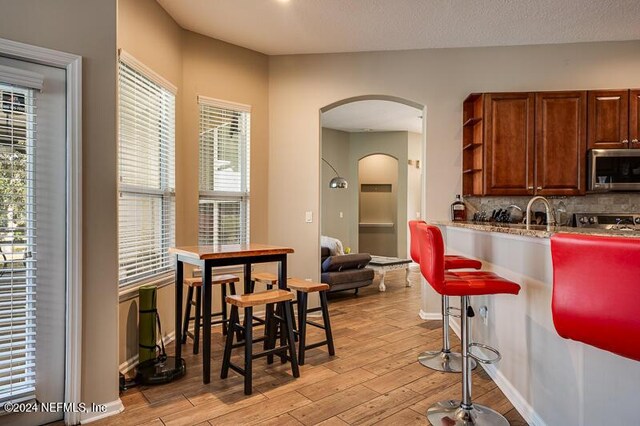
{"x": 207, "y": 257}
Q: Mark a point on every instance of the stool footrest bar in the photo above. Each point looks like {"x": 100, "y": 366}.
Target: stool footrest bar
{"x": 481, "y": 360}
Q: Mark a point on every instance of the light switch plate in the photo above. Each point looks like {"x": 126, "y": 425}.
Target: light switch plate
{"x": 308, "y": 217}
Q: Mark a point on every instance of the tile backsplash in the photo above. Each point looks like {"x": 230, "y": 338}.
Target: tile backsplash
{"x": 610, "y": 202}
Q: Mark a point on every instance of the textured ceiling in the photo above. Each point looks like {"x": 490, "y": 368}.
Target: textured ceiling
{"x": 321, "y": 26}
{"x": 373, "y": 115}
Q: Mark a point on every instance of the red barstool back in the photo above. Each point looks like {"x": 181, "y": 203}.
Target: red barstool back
{"x": 443, "y": 359}
{"x": 596, "y": 289}
{"x": 432, "y": 256}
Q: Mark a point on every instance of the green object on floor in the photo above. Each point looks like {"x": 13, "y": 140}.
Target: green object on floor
{"x": 147, "y": 347}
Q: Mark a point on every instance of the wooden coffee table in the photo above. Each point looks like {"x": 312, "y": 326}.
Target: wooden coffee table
{"x": 382, "y": 264}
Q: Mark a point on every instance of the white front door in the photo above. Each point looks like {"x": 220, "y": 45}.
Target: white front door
{"x": 32, "y": 242}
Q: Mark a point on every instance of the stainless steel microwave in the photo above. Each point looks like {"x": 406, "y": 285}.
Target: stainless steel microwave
{"x": 613, "y": 170}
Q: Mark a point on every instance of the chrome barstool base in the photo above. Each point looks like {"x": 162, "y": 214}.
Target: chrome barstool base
{"x": 450, "y": 413}
{"x": 449, "y": 362}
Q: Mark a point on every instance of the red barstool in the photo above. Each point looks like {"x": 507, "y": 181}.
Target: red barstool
{"x": 596, "y": 288}
{"x": 463, "y": 284}
{"x": 444, "y": 359}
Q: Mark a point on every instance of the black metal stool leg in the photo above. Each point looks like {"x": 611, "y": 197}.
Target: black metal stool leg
{"x": 226, "y": 358}
{"x": 187, "y": 315}
{"x": 289, "y": 330}
{"x": 268, "y": 330}
{"x": 302, "y": 325}
{"x": 223, "y": 300}
{"x": 248, "y": 342}
{"x": 198, "y": 321}
{"x": 327, "y": 323}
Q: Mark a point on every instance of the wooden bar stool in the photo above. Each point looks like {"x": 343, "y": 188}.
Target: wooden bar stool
{"x": 303, "y": 288}
{"x": 196, "y": 282}
{"x": 268, "y": 279}
{"x": 281, "y": 298}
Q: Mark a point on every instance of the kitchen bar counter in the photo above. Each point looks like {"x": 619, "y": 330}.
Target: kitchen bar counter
{"x": 536, "y": 231}
{"x": 550, "y": 380}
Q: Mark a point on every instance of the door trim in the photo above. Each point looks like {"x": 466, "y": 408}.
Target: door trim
{"x": 73, "y": 321}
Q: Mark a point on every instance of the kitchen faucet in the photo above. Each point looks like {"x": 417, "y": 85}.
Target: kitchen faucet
{"x": 551, "y": 221}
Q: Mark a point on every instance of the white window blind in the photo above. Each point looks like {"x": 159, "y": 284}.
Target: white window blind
{"x": 17, "y": 244}
{"x": 146, "y": 151}
{"x": 224, "y": 172}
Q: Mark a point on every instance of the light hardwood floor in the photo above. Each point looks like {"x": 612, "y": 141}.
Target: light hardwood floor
{"x": 373, "y": 379}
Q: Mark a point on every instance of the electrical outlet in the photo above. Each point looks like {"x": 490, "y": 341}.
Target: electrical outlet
{"x": 484, "y": 314}
{"x": 341, "y": 215}
{"x": 308, "y": 217}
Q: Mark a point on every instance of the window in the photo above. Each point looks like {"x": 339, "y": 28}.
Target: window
{"x": 17, "y": 244}
{"x": 224, "y": 172}
{"x": 146, "y": 204}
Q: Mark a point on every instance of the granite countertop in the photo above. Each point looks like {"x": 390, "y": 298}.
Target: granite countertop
{"x": 536, "y": 231}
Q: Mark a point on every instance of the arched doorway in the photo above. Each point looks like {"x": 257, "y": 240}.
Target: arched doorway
{"x": 352, "y": 129}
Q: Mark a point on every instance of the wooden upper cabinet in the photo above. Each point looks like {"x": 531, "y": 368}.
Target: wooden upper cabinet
{"x": 608, "y": 119}
{"x": 634, "y": 118}
{"x": 509, "y": 144}
{"x": 561, "y": 140}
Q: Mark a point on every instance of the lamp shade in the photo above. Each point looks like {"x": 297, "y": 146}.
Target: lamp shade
{"x": 338, "y": 182}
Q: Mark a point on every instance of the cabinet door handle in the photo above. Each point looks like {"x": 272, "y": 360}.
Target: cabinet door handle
{"x": 539, "y": 188}
{"x": 626, "y": 141}
{"x": 531, "y": 187}
{"x": 634, "y": 141}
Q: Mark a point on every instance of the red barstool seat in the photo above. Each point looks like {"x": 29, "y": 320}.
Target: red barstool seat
{"x": 463, "y": 284}
{"x": 444, "y": 359}
{"x": 596, "y": 289}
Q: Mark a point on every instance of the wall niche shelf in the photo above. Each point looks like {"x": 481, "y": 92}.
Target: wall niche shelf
{"x": 376, "y": 224}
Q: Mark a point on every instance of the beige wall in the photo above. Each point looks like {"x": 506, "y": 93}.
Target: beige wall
{"x": 87, "y": 28}
{"x": 196, "y": 65}
{"x": 414, "y": 181}
{"x": 439, "y": 79}
{"x": 335, "y": 149}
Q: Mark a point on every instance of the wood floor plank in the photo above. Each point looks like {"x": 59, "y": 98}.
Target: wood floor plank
{"x": 336, "y": 384}
{"x": 333, "y": 405}
{"x": 405, "y": 417}
{"x": 281, "y": 420}
{"x": 380, "y": 407}
{"x": 210, "y": 410}
{"x": 288, "y": 384}
{"x": 274, "y": 407}
{"x": 398, "y": 378}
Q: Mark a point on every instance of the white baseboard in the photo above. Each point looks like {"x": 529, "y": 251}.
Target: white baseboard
{"x": 131, "y": 363}
{"x": 517, "y": 400}
{"x": 429, "y": 316}
{"x": 113, "y": 408}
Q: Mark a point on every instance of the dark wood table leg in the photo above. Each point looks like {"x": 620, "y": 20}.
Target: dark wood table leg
{"x": 282, "y": 272}
{"x": 247, "y": 278}
{"x": 178, "y": 320}
{"x": 206, "y": 323}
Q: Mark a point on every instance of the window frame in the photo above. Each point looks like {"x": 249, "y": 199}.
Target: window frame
{"x": 166, "y": 193}
{"x": 243, "y": 196}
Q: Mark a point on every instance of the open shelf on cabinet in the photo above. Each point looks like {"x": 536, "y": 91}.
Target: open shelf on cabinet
{"x": 472, "y": 122}
{"x": 472, "y": 139}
